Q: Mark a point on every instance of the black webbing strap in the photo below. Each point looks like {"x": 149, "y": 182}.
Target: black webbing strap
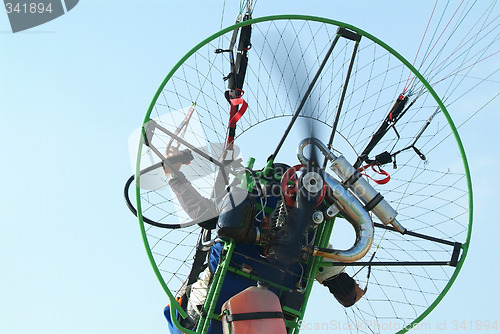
{"x": 253, "y": 316}
{"x": 239, "y": 63}
{"x": 198, "y": 265}
{"x": 352, "y": 179}
{"x": 242, "y": 55}
{"x": 200, "y": 256}
{"x": 373, "y": 203}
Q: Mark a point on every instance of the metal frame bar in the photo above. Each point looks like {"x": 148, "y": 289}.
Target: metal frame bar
{"x": 356, "y": 38}
{"x": 417, "y": 235}
{"x": 306, "y": 96}
{"x": 388, "y": 263}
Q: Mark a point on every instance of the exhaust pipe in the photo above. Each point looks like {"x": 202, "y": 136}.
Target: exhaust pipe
{"x": 357, "y": 216}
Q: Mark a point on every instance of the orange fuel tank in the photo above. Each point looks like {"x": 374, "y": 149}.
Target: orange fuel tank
{"x": 255, "y": 310}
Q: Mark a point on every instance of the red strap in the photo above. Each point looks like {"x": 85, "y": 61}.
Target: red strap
{"x": 234, "y": 116}
{"x": 376, "y": 168}
{"x": 236, "y": 112}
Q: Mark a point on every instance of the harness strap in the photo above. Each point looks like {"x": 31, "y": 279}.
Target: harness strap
{"x": 242, "y": 56}
{"x": 198, "y": 265}
{"x": 200, "y": 256}
{"x": 236, "y": 78}
{"x": 253, "y": 316}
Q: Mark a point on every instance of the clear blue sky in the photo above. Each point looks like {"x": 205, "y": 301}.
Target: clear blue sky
{"x": 72, "y": 90}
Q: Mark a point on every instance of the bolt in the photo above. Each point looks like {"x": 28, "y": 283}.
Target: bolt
{"x": 317, "y": 217}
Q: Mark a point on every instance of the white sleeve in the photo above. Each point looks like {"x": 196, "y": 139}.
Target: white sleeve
{"x": 326, "y": 272}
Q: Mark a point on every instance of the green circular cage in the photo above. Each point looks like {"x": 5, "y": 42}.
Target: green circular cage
{"x": 362, "y": 78}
